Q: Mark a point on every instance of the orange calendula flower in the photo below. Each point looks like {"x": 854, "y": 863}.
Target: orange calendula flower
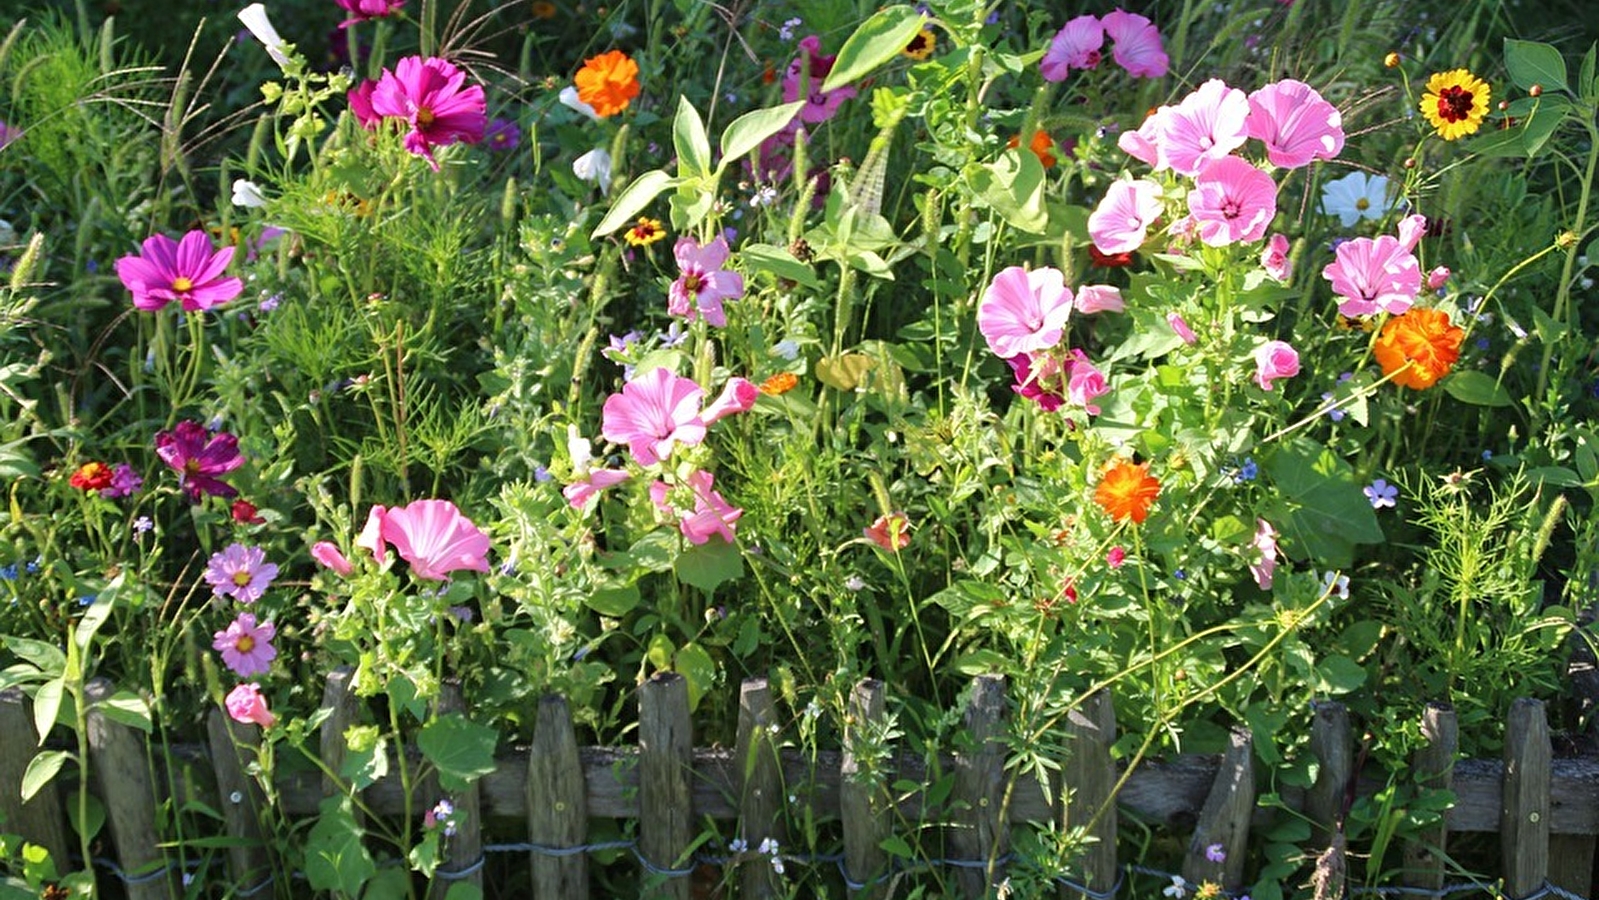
{"x": 608, "y": 82}
{"x": 91, "y": 476}
{"x": 1126, "y": 491}
{"x": 645, "y": 232}
{"x": 1420, "y": 346}
{"x": 779, "y": 384}
{"x": 922, "y": 45}
{"x": 1042, "y": 145}
{"x": 1455, "y": 103}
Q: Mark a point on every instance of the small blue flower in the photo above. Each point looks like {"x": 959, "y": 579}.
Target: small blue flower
{"x": 1336, "y": 414}
{"x": 542, "y": 475}
{"x": 674, "y": 335}
{"x": 1487, "y": 455}
{"x": 1246, "y": 472}
{"x": 1216, "y": 853}
{"x": 1381, "y": 494}
{"x": 8, "y": 572}
{"x": 788, "y": 349}
{"x": 1180, "y": 575}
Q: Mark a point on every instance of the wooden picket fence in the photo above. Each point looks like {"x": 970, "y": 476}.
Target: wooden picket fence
{"x": 1545, "y": 810}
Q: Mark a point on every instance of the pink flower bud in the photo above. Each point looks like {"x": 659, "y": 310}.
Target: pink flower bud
{"x": 1437, "y": 278}
{"x": 327, "y": 554}
{"x": 738, "y": 396}
{"x": 245, "y": 704}
{"x": 1275, "y": 359}
{"x": 1183, "y": 331}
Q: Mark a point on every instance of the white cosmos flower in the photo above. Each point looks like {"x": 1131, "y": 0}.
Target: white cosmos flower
{"x": 569, "y": 97}
{"x": 1356, "y": 196}
{"x": 248, "y": 193}
{"x": 594, "y": 166}
{"x": 255, "y": 18}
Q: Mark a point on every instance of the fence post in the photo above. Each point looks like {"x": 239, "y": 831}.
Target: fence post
{"x": 760, "y": 779}
{"x": 120, "y": 768}
{"x": 39, "y": 820}
{"x": 463, "y": 852}
{"x": 1434, "y": 764}
{"x": 1524, "y": 816}
{"x": 666, "y": 759}
{"x": 981, "y": 830}
{"x": 1571, "y": 856}
{"x": 1224, "y": 819}
{"x": 1331, "y": 743}
{"x": 862, "y": 800}
{"x": 339, "y": 696}
{"x": 232, "y": 747}
{"x": 1088, "y": 777}
{"x": 557, "y": 804}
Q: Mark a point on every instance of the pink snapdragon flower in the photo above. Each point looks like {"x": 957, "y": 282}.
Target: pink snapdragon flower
{"x": 246, "y": 705}
{"x": 653, "y": 414}
{"x": 1274, "y": 259}
{"x": 431, "y": 535}
{"x": 1264, "y": 544}
{"x": 432, "y": 97}
{"x": 246, "y": 647}
{"x": 1232, "y": 202}
{"x": 199, "y": 456}
{"x": 1075, "y": 46}
{"x": 240, "y": 572}
{"x": 366, "y": 10}
{"x": 1024, "y": 311}
{"x": 1085, "y": 382}
{"x": 805, "y": 76}
{"x": 1378, "y": 275}
{"x": 703, "y": 284}
{"x": 1295, "y": 124}
{"x": 1097, "y": 298}
{"x": 1273, "y": 360}
{"x": 328, "y": 555}
{"x": 187, "y": 271}
{"x": 1121, "y": 221}
{"x": 1136, "y": 44}
{"x": 1206, "y": 126}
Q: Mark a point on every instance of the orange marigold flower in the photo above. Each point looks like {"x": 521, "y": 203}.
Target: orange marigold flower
{"x": 1042, "y": 145}
{"x": 608, "y": 82}
{"x": 891, "y": 531}
{"x": 1419, "y": 347}
{"x": 779, "y": 384}
{"x": 645, "y": 232}
{"x": 1127, "y": 490}
{"x": 91, "y": 476}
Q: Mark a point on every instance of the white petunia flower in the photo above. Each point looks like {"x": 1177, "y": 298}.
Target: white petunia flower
{"x": 594, "y": 166}
{"x": 255, "y": 19}
{"x": 568, "y": 96}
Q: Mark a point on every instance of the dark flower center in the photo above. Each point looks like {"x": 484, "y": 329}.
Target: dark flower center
{"x": 1454, "y": 104}
{"x": 693, "y": 283}
{"x": 424, "y": 117}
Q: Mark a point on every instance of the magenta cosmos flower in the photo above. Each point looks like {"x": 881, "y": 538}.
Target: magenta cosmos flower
{"x": 1273, "y": 360}
{"x": 1295, "y": 124}
{"x": 246, "y": 647}
{"x": 199, "y": 456}
{"x": 1135, "y": 44}
{"x": 187, "y": 271}
{"x": 246, "y": 705}
{"x": 1380, "y": 275}
{"x": 653, "y": 414}
{"x": 1075, "y": 46}
{"x": 240, "y": 572}
{"x": 703, "y": 284}
{"x": 365, "y": 10}
{"x": 1121, "y": 221}
{"x": 432, "y": 97}
{"x": 1024, "y": 311}
{"x": 431, "y": 535}
{"x": 1232, "y": 202}
{"x": 1206, "y": 126}
{"x": 804, "y": 81}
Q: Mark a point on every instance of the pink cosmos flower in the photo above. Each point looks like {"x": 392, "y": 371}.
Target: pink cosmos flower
{"x": 1232, "y": 201}
{"x": 1085, "y": 383}
{"x": 1136, "y": 45}
{"x": 431, "y": 96}
{"x": 1295, "y": 124}
{"x": 199, "y": 457}
{"x": 1265, "y": 543}
{"x": 1096, "y": 298}
{"x": 1437, "y": 278}
{"x": 1024, "y": 311}
{"x": 364, "y": 10}
{"x": 433, "y": 537}
{"x": 805, "y": 76}
{"x": 1039, "y": 378}
{"x": 186, "y": 271}
{"x": 1181, "y": 327}
{"x": 245, "y": 646}
{"x": 125, "y": 481}
{"x": 1274, "y": 259}
{"x": 891, "y": 531}
{"x": 246, "y": 705}
{"x": 1121, "y": 221}
{"x": 738, "y": 395}
{"x": 360, "y": 100}
{"x": 653, "y": 414}
{"x": 1144, "y": 144}
{"x": 328, "y": 555}
{"x": 581, "y": 492}
{"x": 703, "y": 284}
{"x": 240, "y": 572}
{"x": 712, "y": 514}
{"x": 1206, "y": 126}
{"x": 1275, "y": 359}
{"x": 1075, "y": 46}
{"x": 1380, "y": 274}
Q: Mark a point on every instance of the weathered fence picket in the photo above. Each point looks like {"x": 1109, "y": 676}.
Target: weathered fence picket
{"x": 557, "y": 805}
{"x": 863, "y": 798}
{"x": 1434, "y": 766}
{"x": 41, "y": 819}
{"x": 120, "y": 766}
{"x": 1088, "y": 783}
{"x": 666, "y": 767}
{"x": 233, "y": 746}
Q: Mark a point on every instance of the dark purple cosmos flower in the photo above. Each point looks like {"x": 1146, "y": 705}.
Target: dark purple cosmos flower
{"x": 502, "y": 135}
{"x": 187, "y": 271}
{"x": 364, "y": 10}
{"x": 199, "y": 456}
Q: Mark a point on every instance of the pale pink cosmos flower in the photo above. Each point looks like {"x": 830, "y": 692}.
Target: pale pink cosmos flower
{"x": 1378, "y": 275}
{"x": 1096, "y": 298}
{"x": 1121, "y": 221}
{"x": 434, "y": 538}
{"x": 1024, "y": 311}
{"x": 1144, "y": 144}
{"x": 1232, "y": 202}
{"x": 703, "y": 284}
{"x": 738, "y": 395}
{"x": 1295, "y": 124}
{"x": 1206, "y": 126}
{"x": 432, "y": 97}
{"x": 365, "y": 10}
{"x": 712, "y": 514}
{"x": 240, "y": 572}
{"x": 1273, "y": 360}
{"x": 653, "y": 414}
{"x": 246, "y": 705}
{"x": 1274, "y": 259}
{"x": 328, "y": 555}
{"x": 187, "y": 271}
{"x": 1179, "y": 325}
{"x": 581, "y": 493}
{"x": 246, "y": 647}
{"x": 1136, "y": 45}
{"x": 1075, "y": 46}
{"x": 1265, "y": 544}
{"x": 1085, "y": 383}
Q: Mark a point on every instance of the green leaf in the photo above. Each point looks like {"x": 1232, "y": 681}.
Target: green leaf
{"x": 614, "y": 601}
{"x": 43, "y": 767}
{"x": 746, "y": 132}
{"x": 689, "y": 138}
{"x": 777, "y": 261}
{"x": 462, "y": 750}
{"x": 127, "y": 708}
{"x": 335, "y": 859}
{"x": 98, "y": 613}
{"x": 1531, "y": 62}
{"x": 1339, "y": 675}
{"x": 698, "y": 669}
{"x": 1319, "y": 509}
{"x": 844, "y": 372}
{"x": 1477, "y": 388}
{"x": 659, "y": 652}
{"x": 637, "y": 195}
{"x": 710, "y": 564}
{"x": 877, "y": 40}
{"x": 48, "y": 657}
{"x": 1585, "y": 79}
{"x": 91, "y": 824}
{"x": 462, "y": 890}
{"x": 1014, "y": 186}
{"x": 47, "y": 705}
{"x": 1543, "y": 123}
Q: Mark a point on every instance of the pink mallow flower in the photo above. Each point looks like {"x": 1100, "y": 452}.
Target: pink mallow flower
{"x": 246, "y": 705}
{"x": 1136, "y": 44}
{"x": 1084, "y": 383}
{"x": 738, "y": 395}
{"x": 1378, "y": 275}
{"x": 1265, "y": 544}
{"x": 804, "y": 81}
{"x": 1295, "y": 124}
{"x": 365, "y": 10}
{"x": 1024, "y": 311}
{"x": 1273, "y": 360}
{"x": 1206, "y": 126}
{"x": 1097, "y": 298}
{"x": 1039, "y": 378}
{"x": 712, "y": 514}
{"x": 1144, "y": 144}
{"x": 1274, "y": 259}
{"x": 1179, "y": 325}
{"x": 1075, "y": 46}
{"x": 328, "y": 555}
{"x": 432, "y": 97}
{"x": 246, "y": 647}
{"x": 240, "y": 572}
{"x": 199, "y": 457}
{"x": 432, "y": 536}
{"x": 187, "y": 271}
{"x": 653, "y": 414}
{"x": 582, "y": 492}
{"x": 1121, "y": 221}
{"x": 1232, "y": 202}
{"x": 703, "y": 284}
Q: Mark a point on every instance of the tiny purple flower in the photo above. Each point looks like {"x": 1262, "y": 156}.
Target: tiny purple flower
{"x": 1381, "y": 494}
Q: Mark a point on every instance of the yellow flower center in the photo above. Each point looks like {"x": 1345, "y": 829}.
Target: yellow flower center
{"x": 1362, "y": 204}
{"x": 181, "y": 284}
{"x": 424, "y": 117}
{"x": 244, "y": 644}
{"x": 241, "y": 578}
